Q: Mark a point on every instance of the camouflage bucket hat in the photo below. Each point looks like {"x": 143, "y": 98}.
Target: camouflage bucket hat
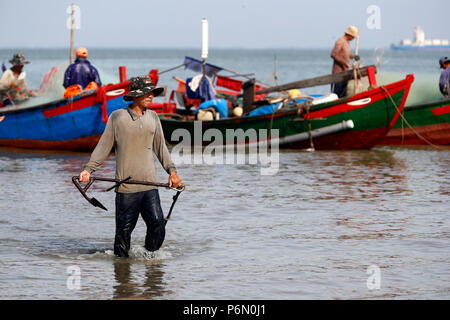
{"x": 18, "y": 60}
{"x": 140, "y": 86}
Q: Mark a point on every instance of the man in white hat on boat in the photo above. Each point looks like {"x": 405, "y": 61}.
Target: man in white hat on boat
{"x": 341, "y": 56}
{"x": 135, "y": 133}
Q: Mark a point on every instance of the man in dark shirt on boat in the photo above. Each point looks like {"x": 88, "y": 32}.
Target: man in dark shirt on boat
{"x": 135, "y": 132}
{"x": 341, "y": 56}
{"x": 444, "y": 81}
{"x": 81, "y": 72}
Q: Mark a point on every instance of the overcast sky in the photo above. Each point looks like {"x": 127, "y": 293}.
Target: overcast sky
{"x": 232, "y": 23}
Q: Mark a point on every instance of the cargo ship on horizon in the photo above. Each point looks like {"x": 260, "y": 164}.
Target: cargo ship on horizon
{"x": 420, "y": 43}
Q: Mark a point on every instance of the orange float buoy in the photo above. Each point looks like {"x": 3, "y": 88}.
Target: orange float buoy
{"x": 92, "y": 85}
{"x": 72, "y": 91}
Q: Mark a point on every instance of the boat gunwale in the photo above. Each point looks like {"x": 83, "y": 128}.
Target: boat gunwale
{"x": 60, "y": 102}
{"x": 408, "y": 79}
{"x": 427, "y": 104}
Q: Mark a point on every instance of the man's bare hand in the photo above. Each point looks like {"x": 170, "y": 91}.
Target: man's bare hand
{"x": 84, "y": 176}
{"x": 174, "y": 180}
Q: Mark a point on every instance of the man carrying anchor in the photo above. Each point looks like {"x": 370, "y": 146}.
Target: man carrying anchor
{"x": 136, "y": 133}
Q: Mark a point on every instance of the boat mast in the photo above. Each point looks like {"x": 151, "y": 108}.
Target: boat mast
{"x": 71, "y": 34}
{"x": 204, "y": 43}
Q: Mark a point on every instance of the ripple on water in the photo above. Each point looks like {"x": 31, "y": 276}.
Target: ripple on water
{"x": 310, "y": 231}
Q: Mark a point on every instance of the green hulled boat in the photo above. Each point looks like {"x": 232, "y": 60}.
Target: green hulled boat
{"x": 357, "y": 122}
{"x": 430, "y": 123}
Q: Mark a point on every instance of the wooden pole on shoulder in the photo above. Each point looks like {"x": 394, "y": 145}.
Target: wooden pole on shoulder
{"x": 318, "y": 81}
{"x": 355, "y": 75}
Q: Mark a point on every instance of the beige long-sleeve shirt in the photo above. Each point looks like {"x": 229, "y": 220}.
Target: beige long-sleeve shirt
{"x": 18, "y": 91}
{"x": 134, "y": 138}
{"x": 341, "y": 55}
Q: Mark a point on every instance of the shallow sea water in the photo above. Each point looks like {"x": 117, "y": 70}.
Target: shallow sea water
{"x": 309, "y": 232}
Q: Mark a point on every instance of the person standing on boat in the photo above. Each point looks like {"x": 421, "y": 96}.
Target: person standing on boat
{"x": 13, "y": 85}
{"x": 444, "y": 81}
{"x": 136, "y": 133}
{"x": 81, "y": 72}
{"x": 341, "y": 56}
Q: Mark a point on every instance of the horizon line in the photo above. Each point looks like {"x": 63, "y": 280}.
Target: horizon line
{"x": 183, "y": 48}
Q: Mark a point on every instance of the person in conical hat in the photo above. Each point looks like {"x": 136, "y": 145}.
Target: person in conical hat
{"x": 13, "y": 84}
{"x": 341, "y": 56}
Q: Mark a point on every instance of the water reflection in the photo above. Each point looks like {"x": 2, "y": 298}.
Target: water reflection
{"x": 154, "y": 285}
{"x": 131, "y": 286}
{"x": 13, "y": 166}
{"x": 14, "y": 160}
{"x": 443, "y": 163}
{"x": 372, "y": 226}
{"x": 360, "y": 175}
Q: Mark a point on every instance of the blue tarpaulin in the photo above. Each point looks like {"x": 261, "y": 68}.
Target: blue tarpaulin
{"x": 270, "y": 108}
{"x": 191, "y": 94}
{"x": 220, "y": 105}
{"x": 267, "y": 109}
{"x": 196, "y": 65}
{"x": 204, "y": 91}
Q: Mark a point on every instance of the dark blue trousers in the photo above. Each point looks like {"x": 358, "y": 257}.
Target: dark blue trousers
{"x": 339, "y": 88}
{"x": 128, "y": 207}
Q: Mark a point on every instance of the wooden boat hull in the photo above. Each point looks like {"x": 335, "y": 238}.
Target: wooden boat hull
{"x": 430, "y": 121}
{"x": 74, "y": 124}
{"x": 372, "y": 113}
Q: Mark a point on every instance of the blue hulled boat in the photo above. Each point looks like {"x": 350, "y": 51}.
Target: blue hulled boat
{"x": 67, "y": 124}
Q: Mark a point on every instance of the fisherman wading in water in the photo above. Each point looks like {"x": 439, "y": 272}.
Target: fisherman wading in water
{"x": 136, "y": 133}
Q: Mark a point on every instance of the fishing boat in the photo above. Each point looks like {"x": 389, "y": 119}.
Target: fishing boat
{"x": 73, "y": 124}
{"x": 359, "y": 121}
{"x": 421, "y": 124}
